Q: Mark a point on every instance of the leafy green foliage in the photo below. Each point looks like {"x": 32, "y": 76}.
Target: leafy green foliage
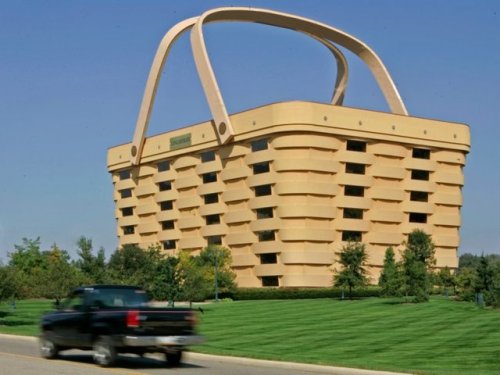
{"x": 418, "y": 258}
{"x": 352, "y": 257}
{"x": 446, "y": 280}
{"x": 93, "y": 267}
{"x": 391, "y": 278}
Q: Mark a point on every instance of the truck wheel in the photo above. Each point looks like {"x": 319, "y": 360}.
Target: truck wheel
{"x": 48, "y": 349}
{"x": 174, "y": 357}
{"x": 105, "y": 354}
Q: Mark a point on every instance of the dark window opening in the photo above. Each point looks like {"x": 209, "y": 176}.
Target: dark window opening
{"x": 129, "y": 229}
{"x": 355, "y": 168}
{"x": 416, "y": 217}
{"x": 353, "y": 213}
{"x": 266, "y": 235}
{"x": 124, "y": 175}
{"x": 261, "y": 168}
{"x": 260, "y": 144}
{"x": 418, "y": 174}
{"x": 358, "y": 146}
{"x": 271, "y": 258}
{"x": 263, "y": 190}
{"x": 169, "y": 245}
{"x": 165, "y": 185}
{"x": 211, "y": 198}
{"x": 163, "y": 166}
{"x": 421, "y": 153}
{"x": 214, "y": 240}
{"x": 207, "y": 156}
{"x": 127, "y": 211}
{"x": 270, "y": 281}
{"x": 126, "y": 193}
{"x": 166, "y": 205}
{"x": 209, "y": 177}
{"x": 419, "y": 196}
{"x": 354, "y": 191}
{"x": 264, "y": 213}
{"x": 168, "y": 224}
{"x": 351, "y": 236}
{"x": 212, "y": 219}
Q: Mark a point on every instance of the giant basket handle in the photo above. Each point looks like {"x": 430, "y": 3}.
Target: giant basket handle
{"x": 157, "y": 67}
{"x": 322, "y": 31}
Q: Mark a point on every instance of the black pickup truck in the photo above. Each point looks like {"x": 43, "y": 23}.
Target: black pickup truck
{"x": 112, "y": 319}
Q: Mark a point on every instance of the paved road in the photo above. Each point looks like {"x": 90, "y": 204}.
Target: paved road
{"x": 19, "y": 356}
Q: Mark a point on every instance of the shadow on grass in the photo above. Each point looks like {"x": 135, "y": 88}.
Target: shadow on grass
{"x": 3, "y": 314}
{"x": 15, "y": 323}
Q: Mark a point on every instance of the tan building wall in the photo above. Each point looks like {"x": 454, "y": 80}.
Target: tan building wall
{"x": 297, "y": 179}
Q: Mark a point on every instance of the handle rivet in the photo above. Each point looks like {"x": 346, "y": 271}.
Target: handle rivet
{"x": 222, "y": 128}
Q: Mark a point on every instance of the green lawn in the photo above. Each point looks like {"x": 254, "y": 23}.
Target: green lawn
{"x": 440, "y": 337}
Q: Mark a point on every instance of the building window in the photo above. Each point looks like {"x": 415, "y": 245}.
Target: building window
{"x": 212, "y": 219}
{"x": 166, "y": 205}
{"x": 351, "y": 236}
{"x": 270, "y": 281}
{"x": 418, "y": 174}
{"x": 211, "y": 198}
{"x": 169, "y": 245}
{"x": 163, "y": 166}
{"x": 421, "y": 153}
{"x": 353, "y": 213}
{"x": 128, "y": 229}
{"x": 127, "y": 211}
{"x": 126, "y": 193}
{"x": 165, "y": 185}
{"x": 355, "y": 168}
{"x": 354, "y": 191}
{"x": 214, "y": 240}
{"x": 264, "y": 213}
{"x": 261, "y": 168}
{"x": 207, "y": 156}
{"x": 209, "y": 177}
{"x": 167, "y": 225}
{"x": 124, "y": 175}
{"x": 260, "y": 144}
{"x": 263, "y": 190}
{"x": 266, "y": 235}
{"x": 271, "y": 258}
{"x": 358, "y": 146}
{"x": 419, "y": 196}
{"x": 416, "y": 217}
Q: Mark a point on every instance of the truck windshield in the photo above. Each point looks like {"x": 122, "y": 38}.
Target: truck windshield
{"x": 118, "y": 297}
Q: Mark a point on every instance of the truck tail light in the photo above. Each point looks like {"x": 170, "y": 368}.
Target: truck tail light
{"x": 191, "y": 317}
{"x": 133, "y": 318}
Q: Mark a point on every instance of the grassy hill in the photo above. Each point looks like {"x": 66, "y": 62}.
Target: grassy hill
{"x": 439, "y": 337}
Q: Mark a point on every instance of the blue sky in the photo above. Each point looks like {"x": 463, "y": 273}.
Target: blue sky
{"x": 72, "y": 75}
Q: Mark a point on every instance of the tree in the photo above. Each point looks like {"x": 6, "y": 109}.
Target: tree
{"x": 390, "y": 279}
{"x": 29, "y": 263}
{"x": 465, "y": 282}
{"x": 445, "y": 279}
{"x": 218, "y": 259}
{"x": 352, "y": 257}
{"x": 418, "y": 258}
{"x": 165, "y": 283}
{"x": 60, "y": 276}
{"x": 8, "y": 283}
{"x": 130, "y": 265}
{"x": 484, "y": 282}
{"x": 195, "y": 280}
{"x": 92, "y": 266}
{"x": 27, "y": 256}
